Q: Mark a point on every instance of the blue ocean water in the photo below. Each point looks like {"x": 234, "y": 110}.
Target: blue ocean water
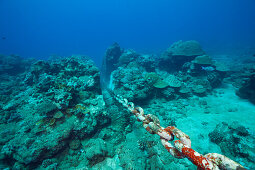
{"x": 76, "y": 75}
{"x": 42, "y": 28}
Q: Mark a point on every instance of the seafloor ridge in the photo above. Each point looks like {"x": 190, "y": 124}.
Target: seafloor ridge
{"x": 60, "y": 113}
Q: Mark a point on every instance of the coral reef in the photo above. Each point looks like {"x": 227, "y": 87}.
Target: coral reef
{"x": 12, "y": 69}
{"x": 247, "y": 89}
{"x": 127, "y": 56}
{"x": 203, "y": 60}
{"x": 61, "y": 114}
{"x": 184, "y": 74}
{"x": 200, "y": 86}
{"x": 13, "y": 64}
{"x": 136, "y": 78}
{"x": 131, "y": 83}
{"x": 148, "y": 62}
{"x": 179, "y": 53}
{"x": 173, "y": 81}
{"x": 61, "y": 100}
{"x": 154, "y": 80}
{"x": 243, "y": 79}
{"x": 235, "y": 141}
{"x": 186, "y": 48}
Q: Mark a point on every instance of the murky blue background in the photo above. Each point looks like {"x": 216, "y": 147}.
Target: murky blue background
{"x": 39, "y": 28}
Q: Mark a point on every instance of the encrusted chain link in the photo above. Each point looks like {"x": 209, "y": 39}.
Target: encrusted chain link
{"x": 180, "y": 148}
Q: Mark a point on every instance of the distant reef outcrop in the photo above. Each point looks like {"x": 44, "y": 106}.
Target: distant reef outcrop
{"x": 181, "y": 71}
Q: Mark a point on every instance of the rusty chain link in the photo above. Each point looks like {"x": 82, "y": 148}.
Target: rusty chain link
{"x": 180, "y": 148}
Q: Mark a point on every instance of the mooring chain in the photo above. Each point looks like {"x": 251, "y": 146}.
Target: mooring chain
{"x": 180, "y": 148}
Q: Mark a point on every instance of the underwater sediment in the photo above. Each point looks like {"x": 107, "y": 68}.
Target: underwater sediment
{"x": 60, "y": 113}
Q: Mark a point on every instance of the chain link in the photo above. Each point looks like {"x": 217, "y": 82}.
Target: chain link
{"x": 180, "y": 148}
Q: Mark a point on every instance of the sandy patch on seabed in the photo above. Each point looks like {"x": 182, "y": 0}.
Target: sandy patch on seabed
{"x": 224, "y": 106}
